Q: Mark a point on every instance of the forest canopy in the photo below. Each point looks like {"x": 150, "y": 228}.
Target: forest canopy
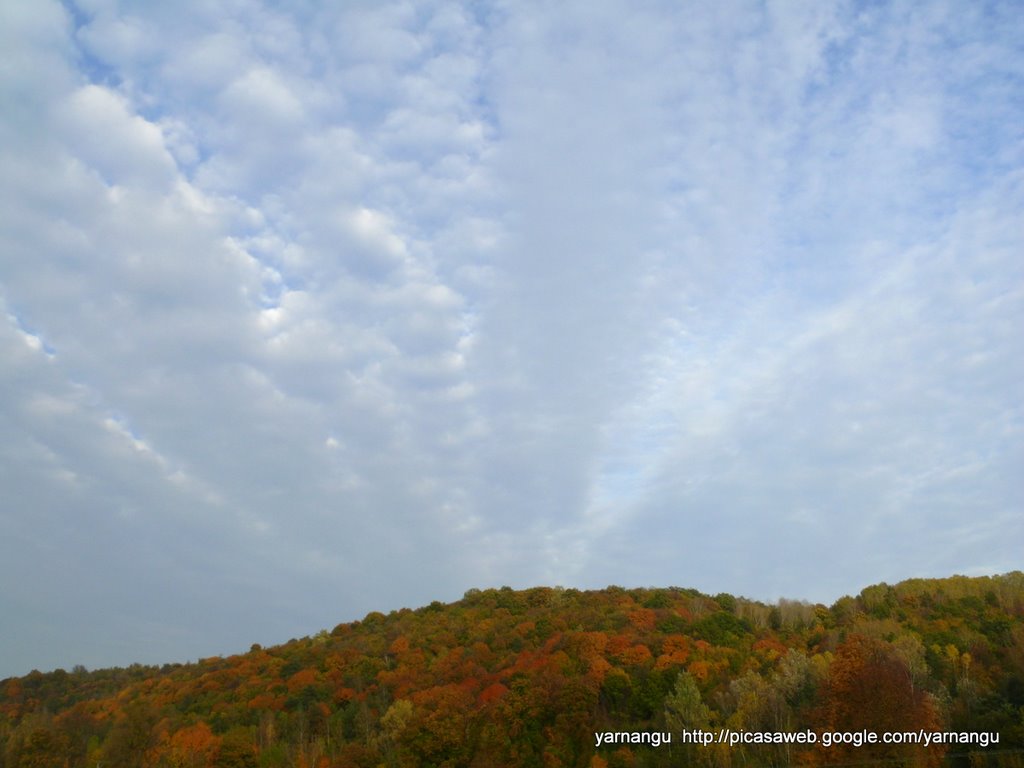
{"x": 530, "y": 677}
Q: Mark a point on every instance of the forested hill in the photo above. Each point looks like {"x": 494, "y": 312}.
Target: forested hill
{"x": 527, "y": 678}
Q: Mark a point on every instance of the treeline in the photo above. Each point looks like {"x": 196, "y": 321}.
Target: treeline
{"x": 526, "y": 678}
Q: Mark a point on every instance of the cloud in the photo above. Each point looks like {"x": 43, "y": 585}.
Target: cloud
{"x": 308, "y": 312}
{"x": 120, "y": 146}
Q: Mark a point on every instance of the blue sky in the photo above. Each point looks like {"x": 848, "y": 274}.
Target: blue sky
{"x": 308, "y": 310}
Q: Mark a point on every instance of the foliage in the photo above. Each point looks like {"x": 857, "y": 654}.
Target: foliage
{"x": 526, "y": 678}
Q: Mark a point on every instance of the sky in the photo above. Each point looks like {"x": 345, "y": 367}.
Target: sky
{"x": 314, "y": 309}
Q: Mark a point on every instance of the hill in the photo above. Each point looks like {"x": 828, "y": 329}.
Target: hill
{"x": 537, "y": 677}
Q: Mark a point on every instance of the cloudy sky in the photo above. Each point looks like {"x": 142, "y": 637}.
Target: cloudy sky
{"x": 312, "y": 309}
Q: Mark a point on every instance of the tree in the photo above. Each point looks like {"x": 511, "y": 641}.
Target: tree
{"x": 685, "y": 711}
{"x": 193, "y": 746}
{"x": 132, "y": 737}
{"x": 236, "y": 750}
{"x": 869, "y": 687}
{"x": 35, "y": 744}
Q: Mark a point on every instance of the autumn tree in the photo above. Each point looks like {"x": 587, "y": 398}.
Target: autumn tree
{"x": 36, "y": 743}
{"x": 870, "y": 687}
{"x": 132, "y": 738}
{"x": 193, "y": 746}
{"x": 236, "y": 750}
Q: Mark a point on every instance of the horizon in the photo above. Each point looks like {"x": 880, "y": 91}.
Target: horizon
{"x": 358, "y": 620}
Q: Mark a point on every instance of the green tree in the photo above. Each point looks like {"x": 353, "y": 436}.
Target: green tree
{"x": 685, "y": 711}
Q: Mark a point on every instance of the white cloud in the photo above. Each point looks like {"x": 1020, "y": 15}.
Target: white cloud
{"x": 118, "y": 41}
{"x": 122, "y": 147}
{"x": 260, "y": 98}
{"x": 585, "y": 294}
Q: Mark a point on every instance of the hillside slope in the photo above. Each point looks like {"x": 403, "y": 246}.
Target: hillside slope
{"x": 528, "y": 678}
